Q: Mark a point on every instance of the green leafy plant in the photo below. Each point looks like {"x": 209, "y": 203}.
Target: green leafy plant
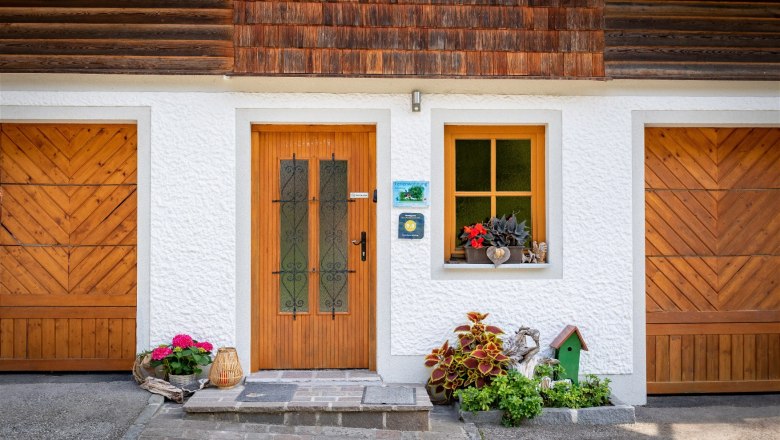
{"x": 477, "y": 399}
{"x": 501, "y": 232}
{"x": 553, "y": 371}
{"x": 514, "y": 393}
{"x": 183, "y": 355}
{"x": 595, "y": 391}
{"x": 475, "y": 361}
{"x": 508, "y": 232}
{"x": 590, "y": 392}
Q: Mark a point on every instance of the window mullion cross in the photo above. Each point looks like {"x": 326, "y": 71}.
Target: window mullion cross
{"x": 493, "y": 177}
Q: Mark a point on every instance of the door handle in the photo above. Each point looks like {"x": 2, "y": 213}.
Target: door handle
{"x": 362, "y": 244}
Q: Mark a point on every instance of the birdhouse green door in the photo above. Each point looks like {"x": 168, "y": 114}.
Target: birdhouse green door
{"x": 569, "y": 355}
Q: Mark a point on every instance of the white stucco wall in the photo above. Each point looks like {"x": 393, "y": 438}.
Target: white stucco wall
{"x": 194, "y": 278}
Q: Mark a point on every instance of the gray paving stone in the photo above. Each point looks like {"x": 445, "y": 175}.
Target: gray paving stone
{"x": 297, "y": 374}
{"x": 214, "y": 417}
{"x": 389, "y": 395}
{"x": 407, "y": 421}
{"x": 300, "y": 418}
{"x": 281, "y": 429}
{"x": 309, "y": 406}
{"x": 362, "y": 420}
{"x": 329, "y": 419}
{"x": 265, "y": 418}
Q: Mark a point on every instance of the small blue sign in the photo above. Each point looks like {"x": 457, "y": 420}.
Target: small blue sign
{"x": 411, "y": 194}
{"x": 411, "y": 226}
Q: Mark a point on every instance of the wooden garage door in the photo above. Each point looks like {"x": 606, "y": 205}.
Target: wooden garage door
{"x": 712, "y": 205}
{"x": 67, "y": 246}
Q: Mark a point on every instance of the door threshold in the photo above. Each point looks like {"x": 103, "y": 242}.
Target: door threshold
{"x": 358, "y": 377}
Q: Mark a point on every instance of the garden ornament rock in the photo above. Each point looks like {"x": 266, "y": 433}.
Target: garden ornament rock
{"x": 498, "y": 255}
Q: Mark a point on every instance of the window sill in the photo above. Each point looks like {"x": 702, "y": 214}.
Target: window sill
{"x": 521, "y": 266}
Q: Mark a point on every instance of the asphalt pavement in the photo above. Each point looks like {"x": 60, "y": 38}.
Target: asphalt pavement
{"x": 693, "y": 417}
{"x": 104, "y": 406}
{"x": 68, "y": 406}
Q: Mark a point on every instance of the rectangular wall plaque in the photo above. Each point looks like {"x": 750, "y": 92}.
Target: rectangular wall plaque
{"x": 414, "y": 193}
{"x": 358, "y": 195}
{"x": 411, "y": 226}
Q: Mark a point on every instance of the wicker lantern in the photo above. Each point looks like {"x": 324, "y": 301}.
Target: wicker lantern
{"x": 226, "y": 371}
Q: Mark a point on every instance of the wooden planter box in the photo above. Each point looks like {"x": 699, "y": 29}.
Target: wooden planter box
{"x": 479, "y": 256}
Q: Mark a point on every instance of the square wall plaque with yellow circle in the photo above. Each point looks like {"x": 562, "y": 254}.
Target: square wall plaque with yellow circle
{"x": 411, "y": 225}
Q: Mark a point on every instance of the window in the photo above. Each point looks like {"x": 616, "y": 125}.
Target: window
{"x": 492, "y": 171}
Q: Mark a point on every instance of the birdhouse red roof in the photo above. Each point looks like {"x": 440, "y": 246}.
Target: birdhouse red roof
{"x": 564, "y": 335}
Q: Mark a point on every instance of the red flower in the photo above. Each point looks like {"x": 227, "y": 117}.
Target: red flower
{"x": 476, "y": 243}
{"x": 480, "y": 229}
{"x": 161, "y": 353}
{"x": 183, "y": 341}
{"x": 205, "y": 345}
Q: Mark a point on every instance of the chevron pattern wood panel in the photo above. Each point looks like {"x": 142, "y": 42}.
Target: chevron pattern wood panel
{"x": 712, "y": 244}
{"x": 68, "y": 199}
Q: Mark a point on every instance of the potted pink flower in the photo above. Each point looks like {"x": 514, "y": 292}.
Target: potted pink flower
{"x": 182, "y": 359}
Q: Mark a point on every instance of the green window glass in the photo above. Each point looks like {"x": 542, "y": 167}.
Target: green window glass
{"x": 472, "y": 165}
{"x": 294, "y": 236}
{"x": 513, "y": 165}
{"x": 333, "y": 296}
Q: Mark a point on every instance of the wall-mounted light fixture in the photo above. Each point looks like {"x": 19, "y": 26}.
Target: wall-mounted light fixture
{"x": 416, "y": 100}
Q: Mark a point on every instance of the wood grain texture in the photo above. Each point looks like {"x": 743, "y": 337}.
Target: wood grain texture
{"x": 419, "y": 38}
{"x": 139, "y": 36}
{"x": 712, "y": 259}
{"x": 683, "y": 39}
{"x": 312, "y": 338}
{"x": 67, "y": 246}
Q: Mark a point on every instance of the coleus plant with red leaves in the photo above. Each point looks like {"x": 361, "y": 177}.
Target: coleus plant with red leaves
{"x": 475, "y": 361}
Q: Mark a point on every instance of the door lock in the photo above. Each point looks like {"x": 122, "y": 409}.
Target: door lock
{"x": 362, "y": 244}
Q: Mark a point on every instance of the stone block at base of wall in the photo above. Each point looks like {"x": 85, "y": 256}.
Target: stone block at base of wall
{"x": 616, "y": 414}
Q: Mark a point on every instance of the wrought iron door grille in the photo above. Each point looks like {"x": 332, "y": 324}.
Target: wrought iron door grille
{"x": 333, "y": 211}
{"x": 294, "y": 236}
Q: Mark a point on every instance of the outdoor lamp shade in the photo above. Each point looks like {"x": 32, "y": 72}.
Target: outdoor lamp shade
{"x": 416, "y": 100}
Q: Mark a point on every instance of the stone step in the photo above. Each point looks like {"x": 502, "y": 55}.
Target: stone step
{"x": 171, "y": 421}
{"x": 390, "y": 406}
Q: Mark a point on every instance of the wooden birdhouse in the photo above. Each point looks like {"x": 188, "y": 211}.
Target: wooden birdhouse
{"x": 567, "y": 347}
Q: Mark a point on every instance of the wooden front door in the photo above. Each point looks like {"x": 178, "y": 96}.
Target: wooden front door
{"x": 712, "y": 207}
{"x": 313, "y": 241}
{"x": 67, "y": 246}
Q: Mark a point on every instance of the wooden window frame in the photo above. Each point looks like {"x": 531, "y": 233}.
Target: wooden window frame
{"x": 536, "y": 134}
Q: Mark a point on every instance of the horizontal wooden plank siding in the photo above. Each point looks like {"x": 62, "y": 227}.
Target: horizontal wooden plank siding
{"x": 420, "y": 38}
{"x": 707, "y": 39}
{"x": 138, "y": 36}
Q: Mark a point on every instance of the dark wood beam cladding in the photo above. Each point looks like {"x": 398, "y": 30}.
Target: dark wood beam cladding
{"x": 694, "y": 39}
{"x": 421, "y": 38}
{"x": 129, "y": 36}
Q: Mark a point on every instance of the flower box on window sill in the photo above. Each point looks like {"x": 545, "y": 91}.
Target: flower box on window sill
{"x": 479, "y": 256}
